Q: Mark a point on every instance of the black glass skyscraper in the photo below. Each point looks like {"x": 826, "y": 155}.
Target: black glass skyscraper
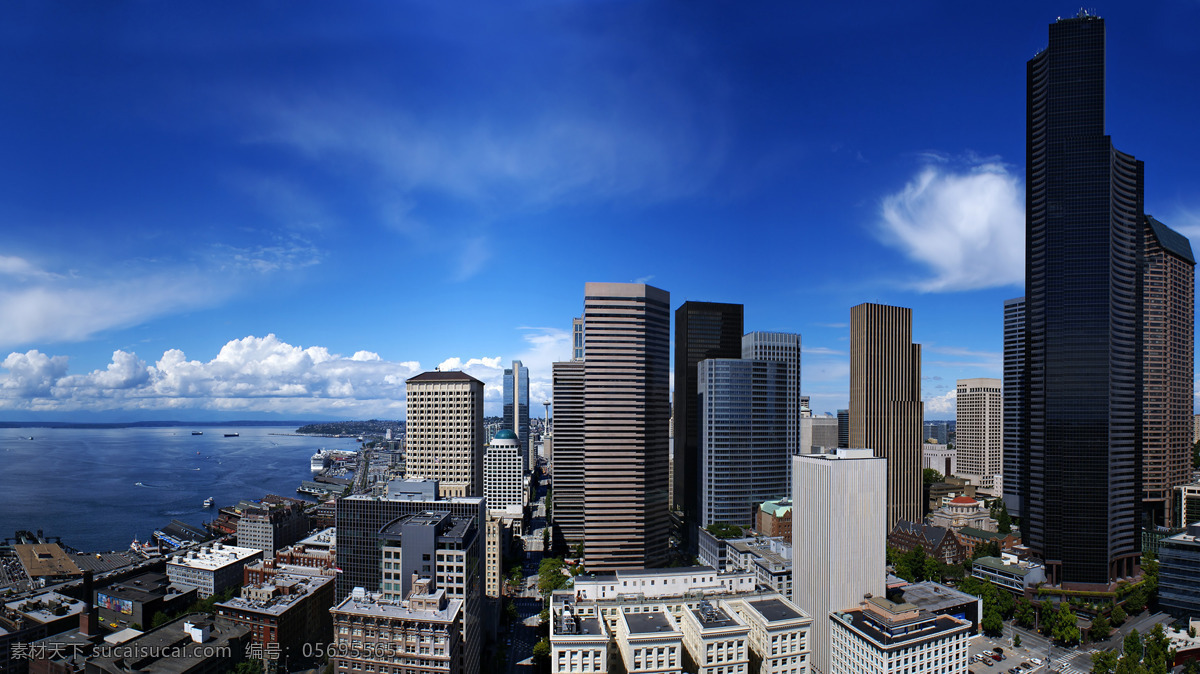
{"x": 703, "y": 330}
{"x": 1081, "y": 473}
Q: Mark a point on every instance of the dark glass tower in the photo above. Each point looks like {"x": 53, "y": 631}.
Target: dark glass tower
{"x": 703, "y": 330}
{"x": 1081, "y": 473}
{"x": 516, "y": 404}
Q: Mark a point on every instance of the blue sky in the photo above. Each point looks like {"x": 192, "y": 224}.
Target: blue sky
{"x": 248, "y": 210}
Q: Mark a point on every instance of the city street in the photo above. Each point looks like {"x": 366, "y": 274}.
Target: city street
{"x": 523, "y": 635}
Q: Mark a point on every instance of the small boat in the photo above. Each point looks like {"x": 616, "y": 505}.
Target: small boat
{"x": 31, "y": 437}
{"x": 232, "y": 435}
{"x": 208, "y": 502}
{"x": 197, "y": 432}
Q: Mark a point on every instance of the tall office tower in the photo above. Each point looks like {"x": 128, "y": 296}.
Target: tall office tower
{"x": 445, "y": 437}
{"x": 1016, "y": 481}
{"x": 979, "y": 447}
{"x": 841, "y": 541}
{"x": 627, "y": 372}
{"x": 1168, "y": 324}
{"x": 1084, "y": 257}
{"x": 503, "y": 472}
{"x": 743, "y": 438}
{"x": 568, "y": 450}
{"x": 516, "y": 402}
{"x": 843, "y": 419}
{"x": 781, "y": 347}
{"x": 702, "y": 330}
{"x": 885, "y": 401}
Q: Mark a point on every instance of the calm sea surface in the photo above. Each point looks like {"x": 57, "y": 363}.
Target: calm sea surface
{"x": 82, "y": 484}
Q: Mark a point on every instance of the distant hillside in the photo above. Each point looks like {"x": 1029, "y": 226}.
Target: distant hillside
{"x": 371, "y": 427}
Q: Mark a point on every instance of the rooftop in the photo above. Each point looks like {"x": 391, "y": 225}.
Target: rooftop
{"x": 46, "y": 607}
{"x": 775, "y": 609}
{"x": 1171, "y": 240}
{"x": 46, "y": 559}
{"x": 375, "y": 605}
{"x": 646, "y": 573}
{"x": 934, "y": 597}
{"x": 963, "y": 500}
{"x": 505, "y": 435}
{"x": 178, "y": 651}
{"x": 924, "y": 629}
{"x": 300, "y": 587}
{"x": 648, "y": 623}
{"x": 714, "y": 618}
{"x": 215, "y": 557}
{"x": 453, "y": 375}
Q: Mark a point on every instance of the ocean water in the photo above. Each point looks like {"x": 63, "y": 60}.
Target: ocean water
{"x": 82, "y": 484}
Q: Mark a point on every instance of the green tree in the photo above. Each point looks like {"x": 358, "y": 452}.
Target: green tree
{"x": 159, "y": 620}
{"x": 1104, "y": 662}
{"x": 541, "y": 655}
{"x": 1136, "y": 602}
{"x": 1100, "y": 627}
{"x": 1065, "y": 630}
{"x": 1016, "y": 641}
{"x": 1158, "y": 651}
{"x": 249, "y": 667}
{"x": 1192, "y": 667}
{"x": 912, "y": 566}
{"x": 1196, "y": 455}
{"x": 1023, "y": 613}
{"x": 991, "y": 624}
{"x": 1118, "y": 615}
{"x": 933, "y": 569}
{"x": 932, "y": 476}
{"x": 550, "y": 575}
{"x": 1131, "y": 647}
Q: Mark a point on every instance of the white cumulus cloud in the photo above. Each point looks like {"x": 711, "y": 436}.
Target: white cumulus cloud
{"x": 947, "y": 403}
{"x": 967, "y": 227}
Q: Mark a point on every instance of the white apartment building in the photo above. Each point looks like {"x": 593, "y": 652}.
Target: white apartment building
{"x": 660, "y": 583}
{"x": 980, "y": 436}
{"x": 769, "y": 558}
{"x": 504, "y": 472}
{"x": 577, "y": 644}
{"x": 715, "y": 640}
{"x": 883, "y": 637}
{"x": 210, "y": 569}
{"x": 840, "y": 542}
{"x": 424, "y": 631}
{"x": 649, "y": 642}
{"x": 768, "y": 626}
{"x": 779, "y": 633}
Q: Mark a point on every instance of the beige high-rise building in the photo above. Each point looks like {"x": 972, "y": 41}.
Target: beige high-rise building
{"x": 886, "y": 412}
{"x": 445, "y": 439}
{"x": 627, "y": 369}
{"x": 980, "y": 439}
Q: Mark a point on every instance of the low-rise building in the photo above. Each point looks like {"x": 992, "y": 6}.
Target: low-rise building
{"x": 284, "y": 615}
{"x": 715, "y": 640}
{"x": 649, "y": 642}
{"x": 779, "y": 633}
{"x": 775, "y": 518}
{"x": 46, "y": 563}
{"x": 963, "y": 511}
{"x": 196, "y": 643}
{"x": 137, "y": 600}
{"x": 884, "y": 637}
{"x": 938, "y": 542}
{"x": 939, "y": 599}
{"x": 769, "y": 559}
{"x": 657, "y": 583}
{"x": 272, "y": 526}
{"x": 1009, "y": 572}
{"x": 211, "y": 569}
{"x": 1179, "y": 574}
{"x": 971, "y": 537}
{"x": 577, "y": 644}
{"x": 425, "y": 631}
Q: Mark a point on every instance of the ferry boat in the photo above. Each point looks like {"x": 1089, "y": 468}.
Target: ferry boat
{"x": 208, "y": 502}
{"x": 232, "y": 435}
{"x": 197, "y": 432}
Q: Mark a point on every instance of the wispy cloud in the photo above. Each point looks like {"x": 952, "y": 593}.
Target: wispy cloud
{"x": 966, "y": 226}
{"x": 46, "y": 306}
{"x": 822, "y": 351}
